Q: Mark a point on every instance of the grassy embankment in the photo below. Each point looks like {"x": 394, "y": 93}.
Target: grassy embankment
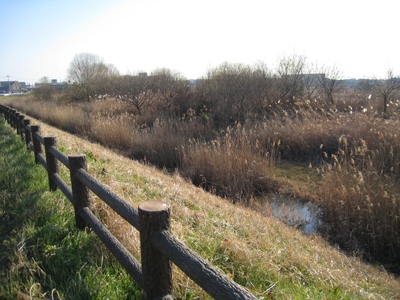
{"x": 43, "y": 256}
{"x": 260, "y": 253}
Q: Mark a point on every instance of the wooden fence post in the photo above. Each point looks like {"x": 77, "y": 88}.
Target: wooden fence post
{"x": 51, "y": 161}
{"x": 37, "y": 146}
{"x": 80, "y": 192}
{"x": 28, "y": 136}
{"x": 5, "y": 112}
{"x": 15, "y": 121}
{"x": 21, "y": 125}
{"x": 17, "y": 114}
{"x": 9, "y": 116}
{"x": 154, "y": 216}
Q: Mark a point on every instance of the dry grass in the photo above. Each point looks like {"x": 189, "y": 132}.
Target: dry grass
{"x": 159, "y": 145}
{"x": 260, "y": 253}
{"x": 238, "y": 162}
{"x": 360, "y": 197}
{"x": 229, "y": 166}
{"x": 65, "y": 117}
{"x": 113, "y": 132}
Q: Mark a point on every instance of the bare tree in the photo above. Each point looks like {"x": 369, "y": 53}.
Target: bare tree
{"x": 231, "y": 92}
{"x": 290, "y": 80}
{"x": 262, "y": 86}
{"x": 330, "y": 81}
{"x": 135, "y": 90}
{"x": 105, "y": 78}
{"x": 387, "y": 88}
{"x": 234, "y": 91}
{"x": 91, "y": 73}
{"x": 171, "y": 89}
{"x": 311, "y": 76}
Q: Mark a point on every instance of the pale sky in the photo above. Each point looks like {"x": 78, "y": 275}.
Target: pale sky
{"x": 40, "y": 37}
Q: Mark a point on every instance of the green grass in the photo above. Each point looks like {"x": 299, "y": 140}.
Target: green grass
{"x": 43, "y": 256}
{"x": 295, "y": 171}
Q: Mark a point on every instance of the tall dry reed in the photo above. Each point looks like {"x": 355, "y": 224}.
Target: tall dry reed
{"x": 360, "y": 201}
{"x": 113, "y": 132}
{"x": 229, "y": 166}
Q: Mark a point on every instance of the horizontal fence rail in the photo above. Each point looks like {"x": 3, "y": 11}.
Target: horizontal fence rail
{"x": 158, "y": 246}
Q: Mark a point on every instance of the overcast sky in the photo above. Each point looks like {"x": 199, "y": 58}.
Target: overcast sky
{"x": 40, "y": 37}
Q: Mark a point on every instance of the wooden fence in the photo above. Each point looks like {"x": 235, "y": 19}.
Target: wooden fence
{"x": 158, "y": 247}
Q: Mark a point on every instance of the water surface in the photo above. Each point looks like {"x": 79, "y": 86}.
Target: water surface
{"x": 302, "y": 215}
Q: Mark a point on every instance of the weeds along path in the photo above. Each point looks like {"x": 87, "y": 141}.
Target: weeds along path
{"x": 260, "y": 253}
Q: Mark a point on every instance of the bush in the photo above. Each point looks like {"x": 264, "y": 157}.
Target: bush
{"x": 45, "y": 92}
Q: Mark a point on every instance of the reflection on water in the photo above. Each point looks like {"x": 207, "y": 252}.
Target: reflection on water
{"x": 302, "y": 215}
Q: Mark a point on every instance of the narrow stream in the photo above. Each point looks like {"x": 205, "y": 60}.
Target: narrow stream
{"x": 293, "y": 212}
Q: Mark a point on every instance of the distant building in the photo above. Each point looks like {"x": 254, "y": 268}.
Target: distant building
{"x": 10, "y": 87}
{"x": 353, "y": 82}
{"x": 58, "y": 86}
{"x": 313, "y": 79}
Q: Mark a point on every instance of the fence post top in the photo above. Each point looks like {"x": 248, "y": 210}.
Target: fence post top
{"x": 76, "y": 156}
{"x": 77, "y": 161}
{"x": 154, "y": 206}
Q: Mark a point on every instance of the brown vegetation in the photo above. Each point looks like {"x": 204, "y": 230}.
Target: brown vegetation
{"x": 258, "y": 252}
{"x": 228, "y": 132}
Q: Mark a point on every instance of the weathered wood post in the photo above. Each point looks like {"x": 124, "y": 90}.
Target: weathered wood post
{"x": 12, "y": 123}
{"x": 154, "y": 216}
{"x": 37, "y": 146}
{"x": 10, "y": 114}
{"x": 28, "y": 136}
{"x": 7, "y": 111}
{"x": 11, "y": 117}
{"x": 21, "y": 125}
{"x": 51, "y": 161}
{"x": 15, "y": 121}
{"x": 80, "y": 192}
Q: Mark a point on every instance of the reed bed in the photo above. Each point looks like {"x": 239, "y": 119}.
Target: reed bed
{"x": 230, "y": 166}
{"x": 360, "y": 198}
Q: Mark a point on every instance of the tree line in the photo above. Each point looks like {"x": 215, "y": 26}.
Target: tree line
{"x": 228, "y": 93}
